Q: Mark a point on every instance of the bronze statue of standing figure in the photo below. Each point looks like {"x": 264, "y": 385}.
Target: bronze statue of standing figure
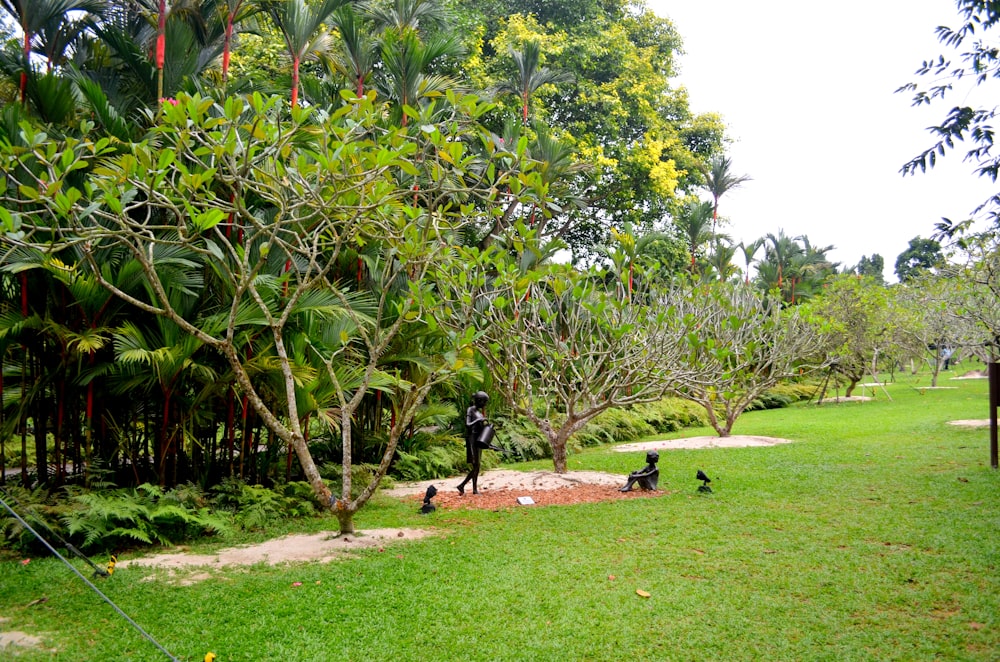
{"x": 475, "y": 423}
{"x": 647, "y": 477}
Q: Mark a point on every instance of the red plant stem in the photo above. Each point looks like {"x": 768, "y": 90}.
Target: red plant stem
{"x": 161, "y": 34}
{"x": 27, "y": 56}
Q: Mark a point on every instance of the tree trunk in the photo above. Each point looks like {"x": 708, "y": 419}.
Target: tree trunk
{"x": 850, "y": 387}
{"x": 41, "y": 449}
{"x": 345, "y": 516}
{"x": 558, "y": 444}
{"x": 731, "y": 417}
{"x": 713, "y": 420}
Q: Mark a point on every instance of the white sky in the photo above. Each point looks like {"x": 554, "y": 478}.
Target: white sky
{"x": 806, "y": 90}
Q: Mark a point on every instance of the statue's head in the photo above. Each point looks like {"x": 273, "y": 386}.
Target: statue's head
{"x": 480, "y": 398}
{"x": 652, "y": 457}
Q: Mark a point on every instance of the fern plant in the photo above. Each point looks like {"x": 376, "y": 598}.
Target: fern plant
{"x": 31, "y": 505}
{"x": 142, "y": 515}
{"x": 256, "y": 507}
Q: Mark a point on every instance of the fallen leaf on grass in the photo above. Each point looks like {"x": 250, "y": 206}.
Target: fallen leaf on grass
{"x": 698, "y": 551}
{"x": 770, "y": 551}
{"x": 976, "y": 626}
{"x": 611, "y": 578}
{"x": 963, "y": 480}
{"x": 296, "y": 583}
{"x": 641, "y": 593}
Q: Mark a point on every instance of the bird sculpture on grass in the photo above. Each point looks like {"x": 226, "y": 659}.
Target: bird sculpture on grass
{"x": 428, "y": 507}
{"x": 705, "y": 481}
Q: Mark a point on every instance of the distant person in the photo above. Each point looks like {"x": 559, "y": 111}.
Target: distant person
{"x": 946, "y": 355}
{"x": 475, "y": 422}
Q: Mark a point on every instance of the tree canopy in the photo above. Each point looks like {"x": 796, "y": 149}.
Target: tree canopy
{"x": 977, "y": 64}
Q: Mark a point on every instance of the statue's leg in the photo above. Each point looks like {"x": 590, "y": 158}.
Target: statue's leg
{"x": 477, "y": 461}
{"x": 628, "y": 485}
{"x": 468, "y": 476}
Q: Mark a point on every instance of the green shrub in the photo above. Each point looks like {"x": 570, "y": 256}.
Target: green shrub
{"x": 145, "y": 514}
{"x": 612, "y": 426}
{"x": 361, "y": 475}
{"x": 39, "y": 509}
{"x": 784, "y": 394}
{"x": 523, "y": 439}
{"x": 255, "y": 507}
{"x": 428, "y": 463}
{"x": 671, "y": 414}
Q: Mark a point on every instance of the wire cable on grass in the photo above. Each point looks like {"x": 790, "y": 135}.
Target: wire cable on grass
{"x": 98, "y": 571}
{"x": 88, "y": 582}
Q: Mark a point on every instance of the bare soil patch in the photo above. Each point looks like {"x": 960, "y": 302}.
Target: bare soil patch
{"x": 972, "y": 374}
{"x": 971, "y": 423}
{"x": 323, "y": 547}
{"x": 12, "y": 640}
{"x": 734, "y": 441}
{"x": 844, "y": 398}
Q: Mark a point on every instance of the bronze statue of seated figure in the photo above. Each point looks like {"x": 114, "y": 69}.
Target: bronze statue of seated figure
{"x": 647, "y": 477}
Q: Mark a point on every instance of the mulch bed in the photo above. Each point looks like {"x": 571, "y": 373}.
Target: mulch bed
{"x": 497, "y": 499}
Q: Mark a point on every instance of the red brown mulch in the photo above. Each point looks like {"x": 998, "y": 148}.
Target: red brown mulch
{"x": 504, "y": 498}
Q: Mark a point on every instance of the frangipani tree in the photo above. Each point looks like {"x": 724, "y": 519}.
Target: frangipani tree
{"x": 977, "y": 306}
{"x": 744, "y": 343}
{"x": 564, "y": 345}
{"x": 928, "y": 301}
{"x": 237, "y": 191}
{"x": 862, "y": 327}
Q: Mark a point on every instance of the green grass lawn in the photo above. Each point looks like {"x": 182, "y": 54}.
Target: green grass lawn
{"x": 876, "y": 536}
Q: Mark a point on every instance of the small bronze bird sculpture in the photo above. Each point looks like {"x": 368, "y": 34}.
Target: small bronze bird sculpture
{"x": 428, "y": 507}
{"x": 705, "y": 481}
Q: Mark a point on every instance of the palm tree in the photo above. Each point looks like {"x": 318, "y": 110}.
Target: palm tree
{"x": 407, "y": 15}
{"x": 300, "y": 25}
{"x": 359, "y": 53}
{"x": 749, "y": 252}
{"x": 233, "y": 11}
{"x": 35, "y": 15}
{"x": 810, "y": 269}
{"x": 780, "y": 252}
{"x": 161, "y": 357}
{"x": 56, "y": 39}
{"x": 694, "y": 224}
{"x": 405, "y": 62}
{"x": 529, "y": 76}
{"x": 721, "y": 258}
{"x": 560, "y": 177}
{"x": 797, "y": 269}
{"x": 720, "y": 180}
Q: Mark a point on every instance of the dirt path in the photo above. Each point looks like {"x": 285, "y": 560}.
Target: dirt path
{"x": 323, "y": 547}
